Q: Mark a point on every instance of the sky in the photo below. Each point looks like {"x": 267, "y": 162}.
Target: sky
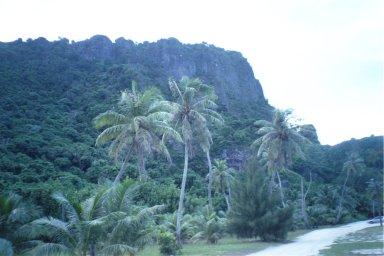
{"x": 322, "y": 58}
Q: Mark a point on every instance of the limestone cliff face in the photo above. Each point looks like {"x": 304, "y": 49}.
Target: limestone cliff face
{"x": 228, "y": 71}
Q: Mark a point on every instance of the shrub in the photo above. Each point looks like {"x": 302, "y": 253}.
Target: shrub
{"x": 208, "y": 226}
{"x": 256, "y": 211}
{"x": 167, "y": 243}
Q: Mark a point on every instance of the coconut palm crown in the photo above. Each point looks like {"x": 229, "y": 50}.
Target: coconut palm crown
{"x": 136, "y": 128}
{"x": 193, "y": 109}
{"x": 279, "y": 142}
{"x": 222, "y": 177}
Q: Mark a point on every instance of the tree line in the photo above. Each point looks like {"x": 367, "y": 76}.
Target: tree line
{"x": 142, "y": 125}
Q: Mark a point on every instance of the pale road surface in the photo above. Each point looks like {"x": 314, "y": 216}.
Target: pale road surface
{"x": 311, "y": 243}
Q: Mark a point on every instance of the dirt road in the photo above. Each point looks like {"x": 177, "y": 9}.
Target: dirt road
{"x": 311, "y": 243}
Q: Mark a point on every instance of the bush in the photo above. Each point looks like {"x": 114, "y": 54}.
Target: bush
{"x": 208, "y": 226}
{"x": 167, "y": 243}
{"x": 256, "y": 212}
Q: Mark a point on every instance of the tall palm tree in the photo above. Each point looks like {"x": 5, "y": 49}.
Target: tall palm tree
{"x": 353, "y": 165}
{"x": 105, "y": 224}
{"x": 192, "y": 110}
{"x": 278, "y": 143}
{"x": 222, "y": 176}
{"x": 137, "y": 128}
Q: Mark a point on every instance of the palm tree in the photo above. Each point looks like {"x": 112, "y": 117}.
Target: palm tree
{"x": 209, "y": 226}
{"x": 169, "y": 224}
{"x": 192, "y": 109}
{"x": 354, "y": 164}
{"x": 106, "y": 224}
{"x": 14, "y": 212}
{"x": 303, "y": 198}
{"x": 278, "y": 143}
{"x": 137, "y": 128}
{"x": 222, "y": 176}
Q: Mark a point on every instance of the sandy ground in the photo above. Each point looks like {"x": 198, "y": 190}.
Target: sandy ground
{"x": 311, "y": 243}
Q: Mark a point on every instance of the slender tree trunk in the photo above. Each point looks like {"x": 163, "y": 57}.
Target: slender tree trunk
{"x": 373, "y": 208}
{"x": 229, "y": 197}
{"x": 121, "y": 171}
{"x": 303, "y": 204}
{"x": 227, "y": 201}
{"x": 281, "y": 189}
{"x": 180, "y": 210}
{"x": 271, "y": 183}
{"x": 143, "y": 175}
{"x": 339, "y": 208}
{"x": 210, "y": 178}
{"x": 92, "y": 251}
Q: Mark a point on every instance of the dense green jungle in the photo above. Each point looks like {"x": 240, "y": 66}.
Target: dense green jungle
{"x": 199, "y": 151}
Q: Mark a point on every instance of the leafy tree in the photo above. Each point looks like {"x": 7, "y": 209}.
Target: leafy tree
{"x": 138, "y": 128}
{"x": 278, "y": 143}
{"x": 222, "y": 177}
{"x": 353, "y": 165}
{"x": 255, "y": 211}
{"x": 192, "y": 109}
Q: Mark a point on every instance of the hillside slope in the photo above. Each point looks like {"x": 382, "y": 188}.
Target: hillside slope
{"x": 50, "y": 91}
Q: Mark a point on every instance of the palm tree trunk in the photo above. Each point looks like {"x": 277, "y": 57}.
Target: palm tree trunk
{"x": 143, "y": 175}
{"x": 341, "y": 199}
{"x": 373, "y": 208}
{"x": 303, "y": 204}
{"x": 281, "y": 189}
{"x": 227, "y": 201}
{"x": 182, "y": 195}
{"x": 121, "y": 171}
{"x": 229, "y": 194}
{"x": 92, "y": 249}
{"x": 210, "y": 177}
{"x": 271, "y": 183}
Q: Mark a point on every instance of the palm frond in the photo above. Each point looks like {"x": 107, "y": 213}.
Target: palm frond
{"x": 109, "y": 134}
{"x": 49, "y": 249}
{"x": 71, "y": 213}
{"x": 118, "y": 250}
{"x": 109, "y": 118}
{"x": 6, "y": 248}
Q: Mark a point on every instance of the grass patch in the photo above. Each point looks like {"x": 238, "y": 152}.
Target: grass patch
{"x": 225, "y": 247}
{"x": 366, "y": 242}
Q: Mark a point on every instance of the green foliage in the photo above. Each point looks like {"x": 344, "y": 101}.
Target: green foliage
{"x": 108, "y": 223}
{"x": 255, "y": 211}
{"x": 167, "y": 243}
{"x": 155, "y": 193}
{"x": 208, "y": 226}
{"x": 51, "y": 91}
{"x": 6, "y": 247}
{"x": 168, "y": 224}
{"x": 14, "y": 212}
{"x": 138, "y": 129}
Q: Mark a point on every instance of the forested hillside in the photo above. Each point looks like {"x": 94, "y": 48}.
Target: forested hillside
{"x": 51, "y": 92}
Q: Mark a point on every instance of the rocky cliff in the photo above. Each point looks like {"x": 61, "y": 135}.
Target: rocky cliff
{"x": 228, "y": 71}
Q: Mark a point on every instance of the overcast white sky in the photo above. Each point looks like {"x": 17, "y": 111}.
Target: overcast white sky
{"x": 322, "y": 58}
